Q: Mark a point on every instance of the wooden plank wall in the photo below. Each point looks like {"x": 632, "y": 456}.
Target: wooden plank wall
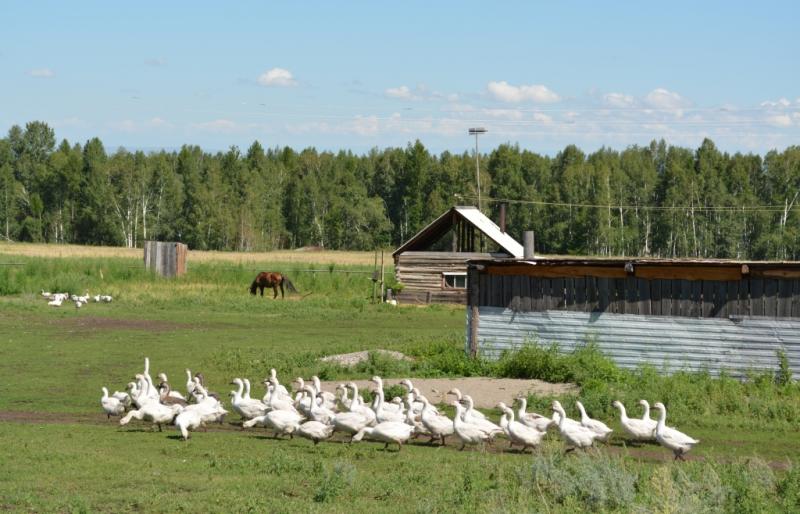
{"x": 421, "y": 274}
{"x": 165, "y": 258}
{"x": 776, "y": 298}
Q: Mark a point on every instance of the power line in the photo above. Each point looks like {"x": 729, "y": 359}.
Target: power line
{"x": 706, "y": 208}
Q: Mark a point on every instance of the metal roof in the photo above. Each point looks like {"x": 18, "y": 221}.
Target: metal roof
{"x": 472, "y": 215}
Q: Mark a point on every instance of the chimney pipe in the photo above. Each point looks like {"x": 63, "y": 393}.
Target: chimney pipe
{"x": 502, "y": 218}
{"x": 527, "y": 244}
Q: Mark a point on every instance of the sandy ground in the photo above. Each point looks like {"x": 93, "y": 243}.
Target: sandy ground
{"x": 485, "y": 392}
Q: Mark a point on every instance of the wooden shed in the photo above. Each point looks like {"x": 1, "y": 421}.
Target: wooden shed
{"x": 432, "y": 265}
{"x": 674, "y": 314}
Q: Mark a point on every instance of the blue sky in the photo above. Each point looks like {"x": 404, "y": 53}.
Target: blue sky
{"x": 356, "y": 75}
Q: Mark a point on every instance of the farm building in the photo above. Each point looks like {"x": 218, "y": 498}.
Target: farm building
{"x": 674, "y": 314}
{"x": 432, "y": 265}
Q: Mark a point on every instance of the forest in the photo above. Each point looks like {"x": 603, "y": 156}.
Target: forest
{"x": 655, "y": 200}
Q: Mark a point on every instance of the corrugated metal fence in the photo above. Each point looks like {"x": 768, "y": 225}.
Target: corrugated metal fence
{"x": 674, "y": 343}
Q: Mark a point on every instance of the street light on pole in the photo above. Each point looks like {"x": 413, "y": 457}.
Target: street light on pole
{"x": 476, "y": 131}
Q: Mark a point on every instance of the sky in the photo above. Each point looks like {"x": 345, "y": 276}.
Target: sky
{"x": 359, "y": 75}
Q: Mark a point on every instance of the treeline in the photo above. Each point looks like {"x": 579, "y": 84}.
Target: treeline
{"x": 656, "y": 200}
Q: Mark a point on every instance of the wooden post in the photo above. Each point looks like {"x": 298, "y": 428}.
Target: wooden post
{"x": 473, "y": 296}
{"x": 382, "y": 277}
{"x": 374, "y": 272}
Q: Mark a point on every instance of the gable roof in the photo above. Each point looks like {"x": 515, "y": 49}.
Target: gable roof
{"x": 438, "y": 227}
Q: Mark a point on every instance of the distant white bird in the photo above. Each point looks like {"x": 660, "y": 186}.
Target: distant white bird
{"x": 46, "y": 294}
{"x": 55, "y": 302}
{"x": 670, "y": 438}
{"x": 96, "y": 298}
{"x": 106, "y": 298}
{"x": 78, "y": 304}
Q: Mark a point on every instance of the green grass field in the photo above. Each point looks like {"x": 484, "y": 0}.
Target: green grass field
{"x": 60, "y": 453}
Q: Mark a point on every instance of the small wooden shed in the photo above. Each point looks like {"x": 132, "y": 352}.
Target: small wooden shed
{"x": 432, "y": 265}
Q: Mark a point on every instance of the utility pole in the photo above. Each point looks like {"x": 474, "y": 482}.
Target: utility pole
{"x": 476, "y": 131}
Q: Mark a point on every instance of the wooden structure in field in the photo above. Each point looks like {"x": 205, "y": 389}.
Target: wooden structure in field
{"x": 166, "y": 259}
{"x": 682, "y": 314}
{"x": 432, "y": 265}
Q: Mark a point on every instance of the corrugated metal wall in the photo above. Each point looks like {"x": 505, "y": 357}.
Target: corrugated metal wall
{"x": 672, "y": 342}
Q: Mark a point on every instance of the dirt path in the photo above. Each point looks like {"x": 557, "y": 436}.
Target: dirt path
{"x": 485, "y": 392}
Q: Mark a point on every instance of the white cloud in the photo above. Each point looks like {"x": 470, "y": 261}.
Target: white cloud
{"x": 365, "y": 125}
{"x": 618, "y": 100}
{"x": 156, "y": 61}
{"x": 542, "y": 118}
{"x": 402, "y": 92}
{"x": 779, "y": 120}
{"x": 277, "y": 77}
{"x": 537, "y": 93}
{"x": 782, "y": 102}
{"x": 661, "y": 98}
{"x": 503, "y": 114}
{"x": 220, "y": 125}
{"x": 45, "y": 73}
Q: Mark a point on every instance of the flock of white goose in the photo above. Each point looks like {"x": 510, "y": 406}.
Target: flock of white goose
{"x": 56, "y": 299}
{"x": 316, "y": 414}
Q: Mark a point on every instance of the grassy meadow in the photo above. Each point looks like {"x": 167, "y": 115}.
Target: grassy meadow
{"x": 60, "y": 453}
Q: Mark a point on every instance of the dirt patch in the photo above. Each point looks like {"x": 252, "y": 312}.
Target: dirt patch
{"x": 351, "y": 359}
{"x": 97, "y": 323}
{"x": 50, "y": 417}
{"x": 485, "y": 392}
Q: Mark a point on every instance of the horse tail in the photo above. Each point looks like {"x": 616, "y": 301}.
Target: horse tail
{"x": 253, "y": 287}
{"x": 289, "y": 286}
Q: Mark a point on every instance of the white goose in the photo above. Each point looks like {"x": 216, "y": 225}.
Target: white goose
{"x": 282, "y": 422}
{"x": 574, "y": 434}
{"x": 439, "y": 426}
{"x": 457, "y": 393}
{"x": 382, "y": 414}
{"x": 532, "y": 419}
{"x": 315, "y": 431}
{"x": 153, "y": 412}
{"x": 638, "y": 429}
{"x": 646, "y": 413}
{"x": 598, "y": 427}
{"x": 189, "y": 384}
{"x": 111, "y": 405}
{"x": 357, "y": 405}
{"x": 246, "y": 409}
{"x": 162, "y": 377}
{"x": 483, "y": 423}
{"x": 280, "y": 402}
{"x": 279, "y": 389}
{"x": 318, "y": 412}
{"x": 387, "y": 432}
{"x": 467, "y": 432}
{"x": 350, "y": 422}
{"x": 670, "y": 438}
{"x": 389, "y": 407}
{"x": 520, "y": 433}
{"x": 328, "y": 397}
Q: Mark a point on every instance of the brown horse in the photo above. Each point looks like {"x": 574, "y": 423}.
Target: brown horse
{"x": 273, "y": 280}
